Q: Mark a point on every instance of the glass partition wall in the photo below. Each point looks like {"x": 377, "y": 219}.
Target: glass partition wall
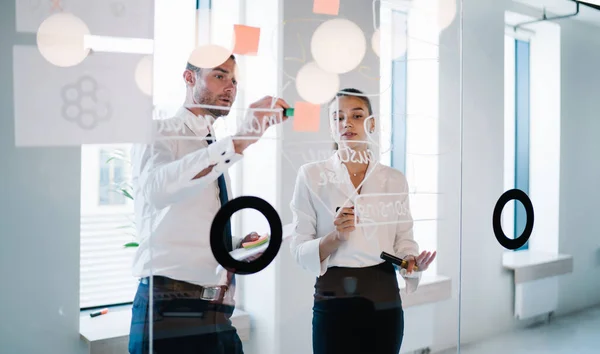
{"x": 527, "y": 248}
{"x": 267, "y": 176}
{"x": 367, "y": 166}
{"x": 372, "y": 144}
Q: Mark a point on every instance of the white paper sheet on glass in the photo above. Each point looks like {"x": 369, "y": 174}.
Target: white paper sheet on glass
{"x": 118, "y": 18}
{"x": 95, "y": 102}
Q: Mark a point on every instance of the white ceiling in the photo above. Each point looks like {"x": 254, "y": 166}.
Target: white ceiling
{"x": 564, "y": 7}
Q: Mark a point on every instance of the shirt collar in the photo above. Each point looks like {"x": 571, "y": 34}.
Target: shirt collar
{"x": 200, "y": 125}
{"x": 342, "y": 174}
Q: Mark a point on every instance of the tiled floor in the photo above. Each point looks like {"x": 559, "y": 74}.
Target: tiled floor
{"x": 575, "y": 334}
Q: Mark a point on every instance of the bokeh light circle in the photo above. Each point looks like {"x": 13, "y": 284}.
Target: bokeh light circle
{"x": 60, "y": 39}
{"x": 316, "y": 85}
{"x": 338, "y": 45}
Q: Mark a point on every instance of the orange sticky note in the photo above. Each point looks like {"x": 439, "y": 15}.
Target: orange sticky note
{"x": 306, "y": 117}
{"x": 326, "y": 7}
{"x": 246, "y": 39}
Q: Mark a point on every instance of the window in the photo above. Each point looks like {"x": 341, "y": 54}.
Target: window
{"x": 107, "y": 218}
{"x": 422, "y": 125}
{"x": 106, "y": 204}
{"x": 521, "y": 130}
{"x": 412, "y": 64}
{"x": 113, "y": 173}
{"x": 106, "y": 226}
{"x": 399, "y": 68}
{"x": 392, "y": 102}
{"x": 517, "y": 130}
{"x": 393, "y": 86}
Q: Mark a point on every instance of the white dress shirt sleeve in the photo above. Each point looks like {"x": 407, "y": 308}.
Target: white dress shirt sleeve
{"x": 236, "y": 242}
{"x": 304, "y": 244}
{"x": 165, "y": 180}
{"x": 405, "y": 245}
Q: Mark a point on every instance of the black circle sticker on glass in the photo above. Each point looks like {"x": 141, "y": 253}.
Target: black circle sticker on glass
{"x": 217, "y": 243}
{"x": 518, "y": 242}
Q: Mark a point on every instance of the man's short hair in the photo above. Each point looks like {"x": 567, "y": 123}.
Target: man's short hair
{"x": 194, "y": 68}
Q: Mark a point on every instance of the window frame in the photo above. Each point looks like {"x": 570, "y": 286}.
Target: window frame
{"x": 399, "y": 102}
{"x": 517, "y": 127}
{"x": 522, "y": 130}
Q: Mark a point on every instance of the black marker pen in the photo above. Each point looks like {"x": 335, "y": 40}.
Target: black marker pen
{"x": 397, "y": 261}
{"x": 338, "y": 209}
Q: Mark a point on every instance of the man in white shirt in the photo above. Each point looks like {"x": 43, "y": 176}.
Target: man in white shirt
{"x": 180, "y": 182}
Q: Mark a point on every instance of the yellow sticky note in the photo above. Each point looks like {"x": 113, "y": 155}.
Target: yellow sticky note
{"x": 246, "y": 39}
{"x": 326, "y": 7}
{"x": 306, "y": 117}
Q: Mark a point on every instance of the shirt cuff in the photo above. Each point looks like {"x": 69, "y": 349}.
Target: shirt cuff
{"x": 411, "y": 280}
{"x": 222, "y": 154}
{"x": 311, "y": 259}
{"x": 403, "y": 273}
{"x": 237, "y": 242}
{"x": 412, "y": 284}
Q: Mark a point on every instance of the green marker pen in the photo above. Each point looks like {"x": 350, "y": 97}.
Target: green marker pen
{"x": 288, "y": 112}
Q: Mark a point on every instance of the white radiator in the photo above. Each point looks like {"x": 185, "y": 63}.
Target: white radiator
{"x": 536, "y": 297}
{"x": 536, "y": 280}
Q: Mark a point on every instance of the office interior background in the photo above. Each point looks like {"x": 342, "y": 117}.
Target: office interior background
{"x": 473, "y": 98}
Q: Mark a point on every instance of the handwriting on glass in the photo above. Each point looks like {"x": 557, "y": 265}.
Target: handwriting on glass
{"x": 329, "y": 177}
{"x": 383, "y": 210}
{"x": 252, "y": 126}
{"x": 346, "y": 155}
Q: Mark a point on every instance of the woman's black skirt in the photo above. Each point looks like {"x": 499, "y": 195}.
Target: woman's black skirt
{"x": 358, "y": 310}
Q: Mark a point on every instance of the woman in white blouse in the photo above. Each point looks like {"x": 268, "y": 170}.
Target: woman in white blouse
{"x": 357, "y": 306}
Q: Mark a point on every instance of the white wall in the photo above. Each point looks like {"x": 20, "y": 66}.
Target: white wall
{"x": 580, "y": 170}
{"x": 39, "y": 214}
{"x": 545, "y": 135}
{"x": 545, "y": 120}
